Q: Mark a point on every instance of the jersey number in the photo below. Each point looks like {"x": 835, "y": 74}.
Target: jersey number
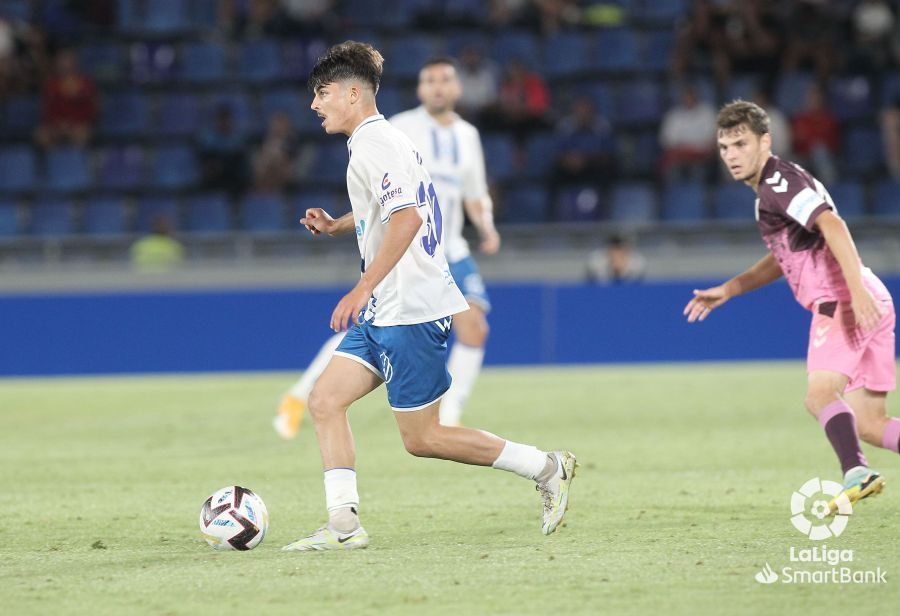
{"x": 434, "y": 223}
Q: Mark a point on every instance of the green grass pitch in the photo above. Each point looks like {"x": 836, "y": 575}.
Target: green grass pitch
{"x": 682, "y": 496}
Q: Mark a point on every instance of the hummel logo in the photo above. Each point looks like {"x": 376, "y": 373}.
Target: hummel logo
{"x": 778, "y": 183}
{"x": 819, "y": 341}
{"x": 821, "y": 331}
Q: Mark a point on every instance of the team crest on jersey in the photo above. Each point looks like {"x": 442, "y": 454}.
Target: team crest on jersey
{"x": 386, "y": 368}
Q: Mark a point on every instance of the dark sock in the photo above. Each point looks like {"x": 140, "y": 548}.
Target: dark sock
{"x": 840, "y": 426}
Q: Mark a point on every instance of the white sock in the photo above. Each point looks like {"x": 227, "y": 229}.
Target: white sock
{"x": 523, "y": 460}
{"x": 302, "y": 387}
{"x": 342, "y": 499}
{"x": 464, "y": 366}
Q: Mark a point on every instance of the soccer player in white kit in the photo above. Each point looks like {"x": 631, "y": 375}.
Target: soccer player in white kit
{"x": 451, "y": 150}
{"x": 399, "y": 313}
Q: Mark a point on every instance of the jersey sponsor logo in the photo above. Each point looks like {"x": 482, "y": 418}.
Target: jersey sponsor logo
{"x": 385, "y": 182}
{"x": 778, "y": 183}
{"x": 390, "y": 194}
{"x": 361, "y": 228}
{"x": 804, "y": 204}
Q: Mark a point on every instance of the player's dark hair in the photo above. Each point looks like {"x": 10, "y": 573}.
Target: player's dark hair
{"x": 740, "y": 112}
{"x": 437, "y": 60}
{"x": 348, "y": 60}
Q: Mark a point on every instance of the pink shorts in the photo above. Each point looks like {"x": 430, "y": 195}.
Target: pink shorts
{"x": 836, "y": 344}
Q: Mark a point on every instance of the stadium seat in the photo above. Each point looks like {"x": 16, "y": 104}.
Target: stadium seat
{"x": 661, "y": 12}
{"x": 633, "y": 202}
{"x": 742, "y": 87}
{"x": 306, "y": 200}
{"x": 294, "y": 61}
{"x": 391, "y": 101}
{"x": 734, "y": 201}
{"x": 862, "y": 151}
{"x": 178, "y": 115}
{"x": 567, "y": 54}
{"x": 68, "y": 170}
{"x": 151, "y": 208}
{"x": 262, "y": 212}
{"x": 684, "y": 201}
{"x": 121, "y": 168}
{"x": 331, "y": 163}
{"x": 151, "y": 61}
{"x": 260, "y": 61}
{"x": 21, "y": 115}
{"x": 638, "y": 102}
{"x": 890, "y": 89}
{"x": 602, "y": 96}
{"x": 166, "y": 18}
{"x": 579, "y": 203}
{"x": 51, "y": 217}
{"x": 407, "y": 53}
{"x": 790, "y": 94}
{"x": 9, "y": 219}
{"x": 208, "y": 213}
{"x": 203, "y": 14}
{"x": 656, "y": 50}
{"x": 289, "y": 101}
{"x": 458, "y": 40}
{"x": 203, "y": 62}
{"x": 526, "y": 204}
{"x": 499, "y": 156}
{"x": 18, "y": 169}
{"x": 174, "y": 167}
{"x": 887, "y": 198}
{"x": 851, "y": 98}
{"x": 540, "y": 155}
{"x": 105, "y": 216}
{"x": 103, "y": 60}
{"x": 124, "y": 114}
{"x": 512, "y": 45}
{"x": 615, "y": 50}
{"x": 245, "y": 116}
{"x": 849, "y": 198}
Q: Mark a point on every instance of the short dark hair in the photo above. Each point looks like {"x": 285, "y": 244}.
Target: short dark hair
{"x": 739, "y": 112}
{"x": 348, "y": 60}
{"x": 436, "y": 60}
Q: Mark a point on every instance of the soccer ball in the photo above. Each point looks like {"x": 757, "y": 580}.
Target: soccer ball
{"x": 234, "y": 518}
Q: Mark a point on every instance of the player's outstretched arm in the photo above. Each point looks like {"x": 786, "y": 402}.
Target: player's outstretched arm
{"x": 839, "y": 241}
{"x": 399, "y": 233}
{"x": 763, "y": 272}
{"x": 318, "y": 221}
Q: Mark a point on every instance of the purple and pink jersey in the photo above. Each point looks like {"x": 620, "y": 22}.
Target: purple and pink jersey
{"x": 789, "y": 201}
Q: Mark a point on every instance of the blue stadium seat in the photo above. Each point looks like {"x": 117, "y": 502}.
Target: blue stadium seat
{"x": 18, "y": 169}
{"x": 684, "y": 201}
{"x": 166, "y": 18}
{"x": 68, "y": 170}
{"x": 391, "y": 101}
{"x": 203, "y": 14}
{"x": 602, "y": 95}
{"x": 203, "y": 62}
{"x": 851, "y": 98}
{"x": 331, "y": 163}
{"x": 887, "y": 198}
{"x": 151, "y": 208}
{"x": 540, "y": 155}
{"x": 734, "y": 201}
{"x": 567, "y": 54}
{"x": 849, "y": 198}
{"x": 260, "y": 61}
{"x": 312, "y": 199}
{"x": 499, "y": 156}
{"x": 661, "y": 12}
{"x": 174, "y": 167}
{"x": 458, "y": 40}
{"x": 51, "y": 217}
{"x": 103, "y": 60}
{"x": 295, "y": 61}
{"x": 790, "y": 94}
{"x": 9, "y": 219}
{"x": 656, "y": 50}
{"x": 703, "y": 86}
{"x": 105, "y": 216}
{"x": 742, "y": 87}
{"x": 122, "y": 168}
{"x": 407, "y": 54}
{"x": 638, "y": 102}
{"x": 124, "y": 114}
{"x": 21, "y": 114}
{"x": 262, "y": 212}
{"x": 862, "y": 151}
{"x": 245, "y": 117}
{"x": 615, "y": 50}
{"x": 890, "y": 89}
{"x": 289, "y": 101}
{"x": 579, "y": 203}
{"x": 633, "y": 202}
{"x": 512, "y": 45}
{"x": 178, "y": 115}
{"x": 129, "y": 15}
{"x": 526, "y": 204}
{"x": 208, "y": 213}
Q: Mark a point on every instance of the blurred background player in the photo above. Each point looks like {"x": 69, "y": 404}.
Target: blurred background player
{"x": 850, "y": 360}
{"x": 451, "y": 150}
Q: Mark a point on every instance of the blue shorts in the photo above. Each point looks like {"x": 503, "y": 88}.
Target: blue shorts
{"x": 468, "y": 279}
{"x": 410, "y": 359}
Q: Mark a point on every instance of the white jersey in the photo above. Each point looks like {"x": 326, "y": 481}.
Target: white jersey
{"x": 385, "y": 175}
{"x": 454, "y": 157}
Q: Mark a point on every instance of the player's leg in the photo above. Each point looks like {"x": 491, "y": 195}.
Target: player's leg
{"x": 293, "y": 402}
{"x": 349, "y": 376}
{"x": 875, "y": 427}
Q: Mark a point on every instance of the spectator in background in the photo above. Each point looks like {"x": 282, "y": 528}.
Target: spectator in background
{"x": 689, "y": 147}
{"x": 618, "y": 263}
{"x": 813, "y": 28}
{"x": 478, "y": 78}
{"x": 890, "y": 137}
{"x": 274, "y": 166}
{"x": 524, "y": 100}
{"x": 585, "y": 146}
{"x": 778, "y": 124}
{"x": 816, "y": 136}
{"x": 222, "y": 154}
{"x": 70, "y": 104}
{"x": 159, "y": 251}
{"x": 873, "y": 25}
{"x": 557, "y": 14}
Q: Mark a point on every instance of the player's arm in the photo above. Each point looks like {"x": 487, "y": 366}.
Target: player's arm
{"x": 837, "y": 236}
{"x": 481, "y": 213}
{"x": 318, "y": 221}
{"x": 399, "y": 233}
{"x": 763, "y": 272}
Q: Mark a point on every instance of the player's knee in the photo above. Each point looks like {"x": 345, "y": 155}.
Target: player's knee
{"x": 421, "y": 445}
{"x": 474, "y": 333}
{"x": 320, "y": 404}
{"x": 817, "y": 398}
